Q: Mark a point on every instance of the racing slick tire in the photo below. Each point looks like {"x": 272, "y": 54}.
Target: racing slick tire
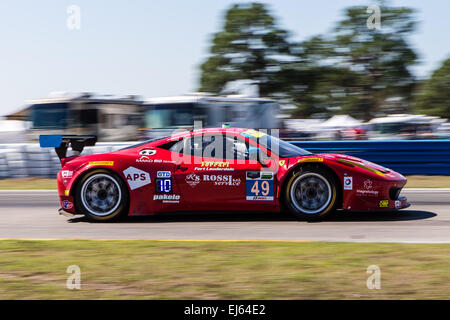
{"x": 101, "y": 195}
{"x": 311, "y": 194}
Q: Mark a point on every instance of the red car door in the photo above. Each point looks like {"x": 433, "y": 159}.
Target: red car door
{"x": 212, "y": 175}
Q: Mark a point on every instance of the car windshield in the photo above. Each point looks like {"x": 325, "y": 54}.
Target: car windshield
{"x": 281, "y": 148}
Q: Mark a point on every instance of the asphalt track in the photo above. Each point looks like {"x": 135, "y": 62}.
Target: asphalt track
{"x": 33, "y": 215}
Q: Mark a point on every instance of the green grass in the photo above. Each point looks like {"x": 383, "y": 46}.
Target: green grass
{"x": 28, "y": 184}
{"x": 129, "y": 269}
{"x": 49, "y": 184}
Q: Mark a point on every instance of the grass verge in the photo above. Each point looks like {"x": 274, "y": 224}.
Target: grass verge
{"x": 428, "y": 182}
{"x": 147, "y": 269}
{"x": 28, "y": 184}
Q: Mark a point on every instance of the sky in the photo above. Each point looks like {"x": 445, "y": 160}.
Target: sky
{"x": 154, "y": 48}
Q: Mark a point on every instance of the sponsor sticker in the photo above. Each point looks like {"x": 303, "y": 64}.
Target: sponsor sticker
{"x": 147, "y": 152}
{"x": 144, "y": 159}
{"x": 222, "y": 180}
{"x": 163, "y": 182}
{"x": 136, "y": 178}
{"x": 259, "y": 186}
{"x": 66, "y": 204}
{"x": 368, "y": 184}
{"x": 167, "y": 198}
{"x": 397, "y": 204}
{"x": 384, "y": 203}
{"x": 101, "y": 163}
{"x": 253, "y": 133}
{"x": 192, "y": 179}
{"x": 348, "y": 183}
{"x": 310, "y": 160}
{"x": 66, "y": 174}
{"x": 368, "y": 189}
{"x": 215, "y": 164}
{"x": 163, "y": 174}
{"x": 367, "y": 193}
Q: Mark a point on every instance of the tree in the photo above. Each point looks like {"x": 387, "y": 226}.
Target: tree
{"x": 250, "y": 47}
{"x": 378, "y": 58}
{"x": 315, "y": 87}
{"x": 434, "y": 98}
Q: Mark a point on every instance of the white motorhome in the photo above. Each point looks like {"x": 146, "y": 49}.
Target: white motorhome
{"x": 404, "y": 126}
{"x": 109, "y": 118}
{"x": 163, "y": 115}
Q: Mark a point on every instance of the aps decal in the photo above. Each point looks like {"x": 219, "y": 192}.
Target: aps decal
{"x": 136, "y": 178}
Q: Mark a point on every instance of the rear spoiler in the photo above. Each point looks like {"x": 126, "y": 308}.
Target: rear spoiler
{"x": 61, "y": 143}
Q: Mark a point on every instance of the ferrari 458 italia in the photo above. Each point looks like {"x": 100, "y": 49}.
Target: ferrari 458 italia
{"x": 218, "y": 169}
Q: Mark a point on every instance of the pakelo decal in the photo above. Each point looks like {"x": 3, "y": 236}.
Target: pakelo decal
{"x": 136, "y": 178}
{"x": 167, "y": 198}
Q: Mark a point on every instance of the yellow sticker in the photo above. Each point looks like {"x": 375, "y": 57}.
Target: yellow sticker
{"x": 254, "y": 133}
{"x": 101, "y": 163}
{"x": 384, "y": 203}
{"x": 215, "y": 164}
{"x": 310, "y": 160}
{"x": 281, "y": 162}
{"x": 66, "y": 192}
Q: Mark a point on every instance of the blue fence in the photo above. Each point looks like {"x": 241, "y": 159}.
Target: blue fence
{"x": 407, "y": 157}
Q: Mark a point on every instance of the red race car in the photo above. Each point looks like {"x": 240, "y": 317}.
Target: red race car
{"x": 218, "y": 169}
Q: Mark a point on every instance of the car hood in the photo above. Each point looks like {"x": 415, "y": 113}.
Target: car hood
{"x": 342, "y": 159}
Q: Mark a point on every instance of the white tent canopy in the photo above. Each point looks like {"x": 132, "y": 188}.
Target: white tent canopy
{"x": 340, "y": 121}
{"x": 12, "y": 125}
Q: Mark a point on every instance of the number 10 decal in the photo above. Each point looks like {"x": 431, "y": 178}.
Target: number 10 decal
{"x": 163, "y": 185}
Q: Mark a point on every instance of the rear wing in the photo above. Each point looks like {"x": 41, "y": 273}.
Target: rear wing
{"x": 61, "y": 143}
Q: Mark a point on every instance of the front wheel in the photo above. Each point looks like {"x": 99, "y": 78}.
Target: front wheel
{"x": 311, "y": 194}
{"x": 101, "y": 195}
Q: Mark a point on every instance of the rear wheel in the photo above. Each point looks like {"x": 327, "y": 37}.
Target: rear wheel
{"x": 101, "y": 195}
{"x": 311, "y": 194}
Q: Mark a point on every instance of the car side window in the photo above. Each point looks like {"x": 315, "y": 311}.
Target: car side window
{"x": 236, "y": 149}
{"x": 206, "y": 146}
